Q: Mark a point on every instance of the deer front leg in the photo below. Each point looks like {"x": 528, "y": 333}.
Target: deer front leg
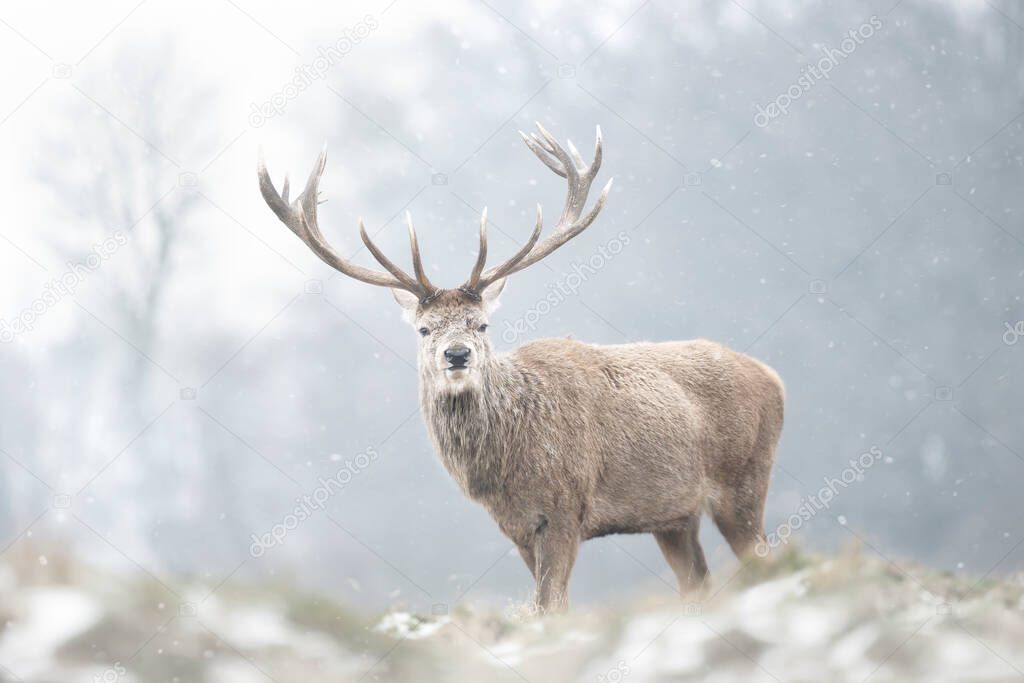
{"x": 526, "y": 552}
{"x": 555, "y": 553}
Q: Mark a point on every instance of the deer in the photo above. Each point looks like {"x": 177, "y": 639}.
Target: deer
{"x": 563, "y": 441}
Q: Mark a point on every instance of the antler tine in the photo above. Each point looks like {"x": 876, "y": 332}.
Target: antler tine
{"x": 278, "y": 205}
{"x": 542, "y": 154}
{"x": 301, "y": 218}
{"x": 481, "y": 257}
{"x": 417, "y": 263}
{"x": 595, "y": 165}
{"x": 509, "y": 266}
{"x": 551, "y": 142}
{"x": 558, "y": 152}
{"x": 384, "y": 260}
{"x": 571, "y": 159}
{"x": 577, "y": 160}
{"x": 307, "y": 200}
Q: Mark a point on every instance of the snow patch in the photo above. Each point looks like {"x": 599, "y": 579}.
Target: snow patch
{"x": 410, "y": 626}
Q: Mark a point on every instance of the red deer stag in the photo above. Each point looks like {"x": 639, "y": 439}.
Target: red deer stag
{"x": 563, "y": 441}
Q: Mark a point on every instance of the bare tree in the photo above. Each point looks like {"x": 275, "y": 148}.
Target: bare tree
{"x": 137, "y": 185}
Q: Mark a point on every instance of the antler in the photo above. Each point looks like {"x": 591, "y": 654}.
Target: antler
{"x": 301, "y": 218}
{"x": 568, "y": 165}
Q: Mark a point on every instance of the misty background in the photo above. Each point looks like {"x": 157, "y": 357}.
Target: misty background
{"x": 202, "y": 370}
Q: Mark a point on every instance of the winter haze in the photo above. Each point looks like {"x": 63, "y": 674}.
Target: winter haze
{"x": 180, "y": 371}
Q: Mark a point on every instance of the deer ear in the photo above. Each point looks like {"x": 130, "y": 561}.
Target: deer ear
{"x": 409, "y": 302}
{"x": 491, "y": 294}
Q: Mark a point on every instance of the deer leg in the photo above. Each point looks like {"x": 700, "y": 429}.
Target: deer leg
{"x": 555, "y": 551}
{"x": 740, "y": 515}
{"x": 681, "y": 547}
{"x": 741, "y": 518}
{"x": 526, "y": 552}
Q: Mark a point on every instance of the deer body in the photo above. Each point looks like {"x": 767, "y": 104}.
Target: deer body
{"x": 621, "y": 452}
{"x": 563, "y": 441}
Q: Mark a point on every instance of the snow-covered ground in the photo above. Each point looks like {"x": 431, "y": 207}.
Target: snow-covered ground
{"x": 798, "y": 618}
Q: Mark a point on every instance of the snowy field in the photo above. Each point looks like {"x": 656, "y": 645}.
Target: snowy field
{"x": 845, "y": 618}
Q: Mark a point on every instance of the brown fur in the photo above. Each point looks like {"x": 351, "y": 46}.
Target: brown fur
{"x": 563, "y": 441}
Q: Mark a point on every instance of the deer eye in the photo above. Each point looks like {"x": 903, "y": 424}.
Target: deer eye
{"x": 424, "y": 331}
{"x": 483, "y": 328}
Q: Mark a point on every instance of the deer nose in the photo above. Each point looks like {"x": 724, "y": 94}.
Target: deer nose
{"x": 457, "y": 355}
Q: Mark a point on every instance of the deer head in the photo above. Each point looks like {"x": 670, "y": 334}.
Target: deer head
{"x": 454, "y": 350}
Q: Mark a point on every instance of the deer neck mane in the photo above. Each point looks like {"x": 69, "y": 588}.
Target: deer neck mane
{"x": 472, "y": 429}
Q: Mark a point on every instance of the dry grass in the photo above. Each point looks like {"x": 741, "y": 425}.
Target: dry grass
{"x": 797, "y": 617}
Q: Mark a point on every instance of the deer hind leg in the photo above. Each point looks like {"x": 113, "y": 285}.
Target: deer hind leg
{"x": 741, "y": 522}
{"x": 738, "y": 511}
{"x": 681, "y": 548}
